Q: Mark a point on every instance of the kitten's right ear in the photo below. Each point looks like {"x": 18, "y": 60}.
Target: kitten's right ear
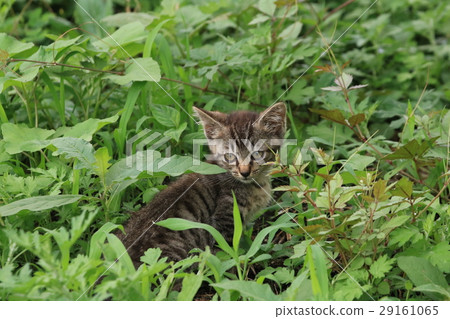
{"x": 211, "y": 121}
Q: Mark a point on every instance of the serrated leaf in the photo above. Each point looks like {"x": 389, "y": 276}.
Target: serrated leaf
{"x": 344, "y": 80}
{"x": 395, "y": 222}
{"x": 332, "y": 88}
{"x": 20, "y": 138}
{"x": 76, "y": 148}
{"x": 381, "y": 266}
{"x": 101, "y": 163}
{"x": 38, "y": 203}
{"x": 356, "y": 87}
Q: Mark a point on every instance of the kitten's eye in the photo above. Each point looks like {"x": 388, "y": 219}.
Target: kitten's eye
{"x": 258, "y": 155}
{"x": 229, "y": 157}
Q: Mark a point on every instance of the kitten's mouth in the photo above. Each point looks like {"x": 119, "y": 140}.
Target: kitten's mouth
{"x": 245, "y": 179}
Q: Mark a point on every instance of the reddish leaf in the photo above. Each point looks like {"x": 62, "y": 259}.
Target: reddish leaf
{"x": 356, "y": 119}
{"x": 332, "y": 115}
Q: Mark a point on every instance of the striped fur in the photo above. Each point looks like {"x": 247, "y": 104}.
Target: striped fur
{"x": 208, "y": 198}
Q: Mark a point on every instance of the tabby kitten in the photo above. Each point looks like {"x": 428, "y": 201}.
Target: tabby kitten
{"x": 240, "y": 142}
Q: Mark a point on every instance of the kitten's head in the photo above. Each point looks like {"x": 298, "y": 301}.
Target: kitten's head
{"x": 243, "y": 141}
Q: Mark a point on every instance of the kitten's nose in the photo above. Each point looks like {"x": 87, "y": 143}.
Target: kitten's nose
{"x": 245, "y": 171}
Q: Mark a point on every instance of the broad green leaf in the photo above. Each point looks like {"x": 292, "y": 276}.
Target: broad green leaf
{"x": 421, "y": 271}
{"x": 267, "y": 6}
{"x": 61, "y": 44}
{"x": 152, "y": 163}
{"x": 87, "y": 11}
{"x": 85, "y": 130}
{"x": 166, "y": 115}
{"x": 397, "y": 221}
{"x": 139, "y": 69}
{"x": 76, "y": 148}
{"x": 101, "y": 163}
{"x": 381, "y": 266}
{"x": 183, "y": 224}
{"x": 332, "y": 115}
{"x": 175, "y": 133}
{"x": 360, "y": 162}
{"x": 292, "y": 31}
{"x": 38, "y": 203}
{"x": 403, "y": 188}
{"x": 434, "y": 289}
{"x": 20, "y": 138}
{"x": 4, "y": 156}
{"x": 439, "y": 256}
{"x": 13, "y": 46}
{"x": 249, "y": 289}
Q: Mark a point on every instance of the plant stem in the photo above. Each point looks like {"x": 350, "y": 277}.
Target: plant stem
{"x": 66, "y": 65}
{"x": 204, "y": 89}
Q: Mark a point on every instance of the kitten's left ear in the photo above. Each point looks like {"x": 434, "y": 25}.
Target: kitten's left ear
{"x": 212, "y": 122}
{"x": 273, "y": 120}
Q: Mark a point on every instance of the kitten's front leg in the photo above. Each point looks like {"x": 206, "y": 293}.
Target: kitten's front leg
{"x": 222, "y": 219}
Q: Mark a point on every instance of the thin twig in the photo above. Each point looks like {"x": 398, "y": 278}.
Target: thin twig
{"x": 65, "y": 65}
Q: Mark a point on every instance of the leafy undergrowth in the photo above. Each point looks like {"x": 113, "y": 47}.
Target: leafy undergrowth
{"x": 362, "y": 191}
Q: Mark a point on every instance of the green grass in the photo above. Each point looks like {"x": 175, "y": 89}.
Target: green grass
{"x": 362, "y": 195}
